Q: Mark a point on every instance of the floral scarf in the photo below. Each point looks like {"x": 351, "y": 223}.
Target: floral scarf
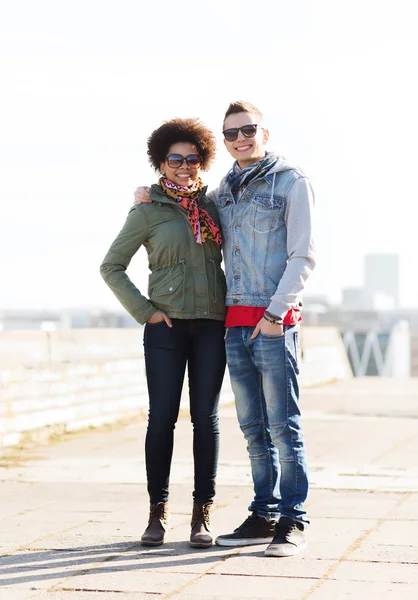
{"x": 204, "y": 227}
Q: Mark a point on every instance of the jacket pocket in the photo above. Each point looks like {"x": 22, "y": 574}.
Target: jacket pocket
{"x": 266, "y": 212}
{"x": 169, "y": 285}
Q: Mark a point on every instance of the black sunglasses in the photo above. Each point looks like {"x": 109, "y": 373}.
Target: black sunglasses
{"x": 247, "y": 131}
{"x": 176, "y": 160}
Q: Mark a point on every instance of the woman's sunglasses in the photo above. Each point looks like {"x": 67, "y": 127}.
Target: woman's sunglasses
{"x": 176, "y": 160}
{"x": 247, "y": 131}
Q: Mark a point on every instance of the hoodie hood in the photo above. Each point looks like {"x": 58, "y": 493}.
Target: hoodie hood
{"x": 266, "y": 169}
{"x": 282, "y": 164}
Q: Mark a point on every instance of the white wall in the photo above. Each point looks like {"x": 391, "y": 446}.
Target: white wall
{"x": 65, "y": 380}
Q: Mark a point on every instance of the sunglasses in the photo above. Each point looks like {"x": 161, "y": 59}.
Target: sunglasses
{"x": 176, "y": 160}
{"x": 247, "y": 131}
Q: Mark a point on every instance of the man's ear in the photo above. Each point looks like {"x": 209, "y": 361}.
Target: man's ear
{"x": 266, "y": 135}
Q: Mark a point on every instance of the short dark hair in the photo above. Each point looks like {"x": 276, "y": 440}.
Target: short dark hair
{"x": 239, "y": 106}
{"x": 181, "y": 130}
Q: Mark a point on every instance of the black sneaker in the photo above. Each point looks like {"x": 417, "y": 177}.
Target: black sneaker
{"x": 290, "y": 538}
{"x": 254, "y": 530}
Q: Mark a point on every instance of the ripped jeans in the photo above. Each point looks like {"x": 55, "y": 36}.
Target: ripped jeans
{"x": 264, "y": 378}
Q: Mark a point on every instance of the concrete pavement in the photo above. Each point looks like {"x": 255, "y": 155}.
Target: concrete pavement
{"x": 72, "y": 512}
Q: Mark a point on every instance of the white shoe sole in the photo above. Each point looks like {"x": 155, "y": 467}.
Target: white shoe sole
{"x": 285, "y": 549}
{"x": 243, "y": 542}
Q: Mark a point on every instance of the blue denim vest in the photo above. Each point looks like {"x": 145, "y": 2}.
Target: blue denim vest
{"x": 255, "y": 237}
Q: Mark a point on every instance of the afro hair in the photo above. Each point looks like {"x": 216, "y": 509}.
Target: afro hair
{"x": 181, "y": 130}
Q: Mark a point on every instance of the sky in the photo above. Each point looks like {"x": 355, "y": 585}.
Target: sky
{"x": 84, "y": 83}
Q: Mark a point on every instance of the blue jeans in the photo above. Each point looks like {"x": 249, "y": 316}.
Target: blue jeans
{"x": 264, "y": 378}
{"x": 199, "y": 343}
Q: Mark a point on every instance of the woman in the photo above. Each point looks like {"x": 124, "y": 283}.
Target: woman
{"x": 184, "y": 314}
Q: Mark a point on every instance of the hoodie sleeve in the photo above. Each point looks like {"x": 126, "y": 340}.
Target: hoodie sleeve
{"x": 113, "y": 268}
{"x": 300, "y": 247}
{"x": 213, "y": 195}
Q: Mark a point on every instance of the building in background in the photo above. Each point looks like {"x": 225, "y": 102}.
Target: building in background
{"x": 370, "y": 310}
{"x": 353, "y": 298}
{"x": 380, "y": 290}
{"x": 381, "y": 281}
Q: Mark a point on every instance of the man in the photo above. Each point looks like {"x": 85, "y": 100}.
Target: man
{"x": 265, "y": 206}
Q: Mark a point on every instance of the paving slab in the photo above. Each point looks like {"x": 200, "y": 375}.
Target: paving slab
{"x": 392, "y": 541}
{"x": 251, "y": 561}
{"x": 353, "y": 504}
{"x": 333, "y": 538}
{"x": 376, "y": 571}
{"x": 126, "y": 577}
{"x": 362, "y": 590}
{"x": 238, "y": 586}
{"x": 72, "y": 513}
{"x": 17, "y": 594}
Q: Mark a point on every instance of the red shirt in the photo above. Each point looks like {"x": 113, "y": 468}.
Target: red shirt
{"x": 249, "y": 316}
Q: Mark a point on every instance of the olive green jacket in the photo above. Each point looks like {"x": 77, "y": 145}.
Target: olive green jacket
{"x": 186, "y": 279}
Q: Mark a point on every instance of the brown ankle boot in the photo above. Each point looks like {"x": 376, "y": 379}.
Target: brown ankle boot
{"x": 201, "y": 535}
{"x": 157, "y": 525}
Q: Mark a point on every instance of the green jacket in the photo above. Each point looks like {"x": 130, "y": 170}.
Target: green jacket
{"x": 186, "y": 279}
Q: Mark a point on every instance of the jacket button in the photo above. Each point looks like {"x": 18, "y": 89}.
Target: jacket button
{"x": 170, "y": 289}
{"x": 236, "y": 276}
{"x": 235, "y": 301}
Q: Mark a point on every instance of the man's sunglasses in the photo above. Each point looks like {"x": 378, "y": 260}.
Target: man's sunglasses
{"x": 176, "y": 160}
{"x": 247, "y": 131}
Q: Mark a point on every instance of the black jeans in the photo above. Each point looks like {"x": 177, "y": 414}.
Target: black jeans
{"x": 200, "y": 344}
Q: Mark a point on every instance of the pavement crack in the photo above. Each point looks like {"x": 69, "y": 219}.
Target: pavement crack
{"x": 103, "y": 591}
{"x": 354, "y": 546}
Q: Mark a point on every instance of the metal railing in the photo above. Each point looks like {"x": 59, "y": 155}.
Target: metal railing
{"x": 376, "y": 353}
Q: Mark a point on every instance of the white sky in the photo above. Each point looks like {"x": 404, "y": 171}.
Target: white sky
{"x": 83, "y": 84}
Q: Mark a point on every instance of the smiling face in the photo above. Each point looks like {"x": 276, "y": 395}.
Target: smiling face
{"x": 184, "y": 175}
{"x": 246, "y": 151}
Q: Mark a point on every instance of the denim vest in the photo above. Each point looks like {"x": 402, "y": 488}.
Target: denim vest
{"x": 255, "y": 237}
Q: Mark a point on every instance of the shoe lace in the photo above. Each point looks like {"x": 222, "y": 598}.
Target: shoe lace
{"x": 201, "y": 512}
{"x": 286, "y": 527}
{"x": 247, "y": 523}
{"x": 205, "y": 514}
{"x": 158, "y": 511}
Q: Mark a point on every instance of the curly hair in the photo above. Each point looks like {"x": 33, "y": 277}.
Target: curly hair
{"x": 181, "y": 130}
